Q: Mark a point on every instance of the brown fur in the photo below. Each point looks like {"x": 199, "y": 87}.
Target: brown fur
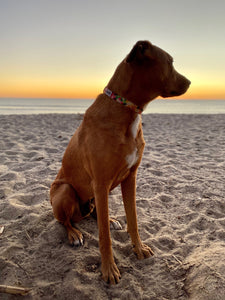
{"x": 96, "y": 159}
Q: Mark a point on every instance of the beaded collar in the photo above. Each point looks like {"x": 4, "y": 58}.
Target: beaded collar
{"x": 123, "y": 101}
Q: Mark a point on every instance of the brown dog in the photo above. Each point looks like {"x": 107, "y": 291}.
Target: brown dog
{"x": 106, "y": 150}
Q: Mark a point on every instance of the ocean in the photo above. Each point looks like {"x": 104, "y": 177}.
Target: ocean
{"x": 10, "y": 106}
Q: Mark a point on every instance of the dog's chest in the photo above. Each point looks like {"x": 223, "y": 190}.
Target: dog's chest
{"x": 135, "y": 126}
{"x": 133, "y": 156}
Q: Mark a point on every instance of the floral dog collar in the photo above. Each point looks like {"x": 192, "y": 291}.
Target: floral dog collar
{"x": 123, "y": 101}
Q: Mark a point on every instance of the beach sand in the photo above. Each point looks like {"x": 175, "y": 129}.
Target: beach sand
{"x": 180, "y": 205}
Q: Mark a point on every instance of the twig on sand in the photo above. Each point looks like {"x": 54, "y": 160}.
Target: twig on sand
{"x": 14, "y": 290}
{"x": 1, "y": 229}
{"x": 180, "y": 262}
{"x": 28, "y": 236}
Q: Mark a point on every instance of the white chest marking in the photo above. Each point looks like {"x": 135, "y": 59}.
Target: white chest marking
{"x": 135, "y": 126}
{"x": 133, "y": 157}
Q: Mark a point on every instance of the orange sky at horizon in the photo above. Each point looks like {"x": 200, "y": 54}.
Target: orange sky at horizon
{"x": 84, "y": 90}
{"x": 59, "y": 93}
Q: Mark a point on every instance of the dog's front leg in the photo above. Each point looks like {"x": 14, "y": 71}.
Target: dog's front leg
{"x": 128, "y": 187}
{"x": 110, "y": 272}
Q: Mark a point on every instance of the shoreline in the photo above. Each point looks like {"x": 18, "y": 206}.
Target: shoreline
{"x": 180, "y": 206}
{"x": 29, "y": 106}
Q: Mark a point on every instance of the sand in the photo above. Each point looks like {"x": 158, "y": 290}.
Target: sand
{"x": 180, "y": 205}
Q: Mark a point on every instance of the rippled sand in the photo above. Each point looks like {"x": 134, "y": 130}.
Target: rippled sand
{"x": 180, "y": 205}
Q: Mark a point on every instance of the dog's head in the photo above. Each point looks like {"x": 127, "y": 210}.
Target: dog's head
{"x": 151, "y": 73}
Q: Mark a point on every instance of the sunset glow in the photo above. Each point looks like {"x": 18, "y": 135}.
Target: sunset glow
{"x": 21, "y": 88}
{"x": 71, "y": 51}
{"x": 75, "y": 88}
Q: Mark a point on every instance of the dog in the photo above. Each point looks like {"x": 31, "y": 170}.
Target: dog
{"x": 107, "y": 148}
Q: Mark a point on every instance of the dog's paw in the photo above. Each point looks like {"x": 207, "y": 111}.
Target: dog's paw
{"x": 142, "y": 251}
{"x": 75, "y": 237}
{"x": 110, "y": 273}
{"x": 114, "y": 224}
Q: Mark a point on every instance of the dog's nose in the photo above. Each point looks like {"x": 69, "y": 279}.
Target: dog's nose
{"x": 188, "y": 82}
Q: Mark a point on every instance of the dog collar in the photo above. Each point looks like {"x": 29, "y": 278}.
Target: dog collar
{"x": 123, "y": 101}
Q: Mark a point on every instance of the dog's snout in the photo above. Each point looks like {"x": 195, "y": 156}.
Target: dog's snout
{"x": 188, "y": 82}
{"x": 183, "y": 84}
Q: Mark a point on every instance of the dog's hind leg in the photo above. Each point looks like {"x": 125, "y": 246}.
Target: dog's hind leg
{"x": 66, "y": 208}
{"x": 115, "y": 224}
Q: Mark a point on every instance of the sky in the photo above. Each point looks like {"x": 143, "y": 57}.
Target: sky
{"x": 70, "y": 48}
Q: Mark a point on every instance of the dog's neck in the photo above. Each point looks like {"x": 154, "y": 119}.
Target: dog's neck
{"x": 123, "y": 101}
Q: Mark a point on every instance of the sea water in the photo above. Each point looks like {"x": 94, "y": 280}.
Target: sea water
{"x": 168, "y": 106}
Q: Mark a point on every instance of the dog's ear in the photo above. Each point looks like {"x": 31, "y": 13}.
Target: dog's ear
{"x": 140, "y": 51}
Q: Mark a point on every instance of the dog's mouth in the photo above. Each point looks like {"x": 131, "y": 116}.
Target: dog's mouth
{"x": 171, "y": 94}
{"x": 175, "y": 93}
